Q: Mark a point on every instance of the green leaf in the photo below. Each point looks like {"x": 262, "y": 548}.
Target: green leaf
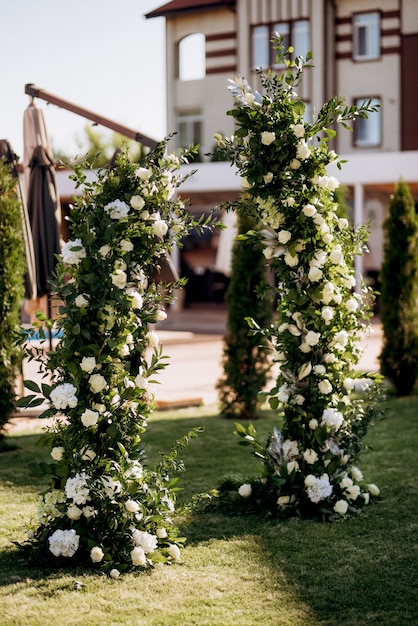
{"x": 30, "y": 384}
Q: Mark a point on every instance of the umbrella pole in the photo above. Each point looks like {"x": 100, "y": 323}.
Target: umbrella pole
{"x": 49, "y": 315}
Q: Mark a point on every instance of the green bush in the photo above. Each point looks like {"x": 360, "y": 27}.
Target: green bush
{"x": 399, "y": 293}
{"x": 12, "y": 268}
{"x": 245, "y": 354}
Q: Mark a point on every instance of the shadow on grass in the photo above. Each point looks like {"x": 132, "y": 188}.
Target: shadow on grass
{"x": 350, "y": 573}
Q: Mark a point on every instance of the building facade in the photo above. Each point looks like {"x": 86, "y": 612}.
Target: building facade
{"x": 362, "y": 49}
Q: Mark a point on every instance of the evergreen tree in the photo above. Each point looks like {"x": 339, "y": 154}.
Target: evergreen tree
{"x": 12, "y": 268}
{"x": 399, "y": 293}
{"x": 245, "y": 354}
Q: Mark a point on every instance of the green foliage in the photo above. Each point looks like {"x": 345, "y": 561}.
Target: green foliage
{"x": 399, "y": 293}
{"x": 245, "y": 354}
{"x": 12, "y": 268}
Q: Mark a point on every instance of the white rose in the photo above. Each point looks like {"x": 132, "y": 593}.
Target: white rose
{"x": 284, "y": 236}
{"x": 309, "y": 210}
{"x": 302, "y": 151}
{"x": 160, "y": 315}
{"x": 132, "y": 506}
{"x": 346, "y": 482}
{"x": 97, "y": 383}
{"x": 341, "y": 507}
{"x": 89, "y": 418}
{"x": 152, "y": 339}
{"x": 73, "y": 512}
{"x": 161, "y": 533}
{"x": 268, "y": 177}
{"x": 310, "y": 456}
{"x": 137, "y": 202}
{"x": 126, "y": 246}
{"x": 336, "y": 256}
{"x": 348, "y": 384}
{"x": 283, "y": 500}
{"x": 114, "y": 573}
{"x": 137, "y": 299}
{"x": 373, "y": 489}
{"x": 294, "y": 164}
{"x": 310, "y": 480}
{"x": 342, "y": 223}
{"x": 351, "y": 305}
{"x": 96, "y": 554}
{"x": 356, "y": 473}
{"x": 88, "y": 363}
{"x": 159, "y": 228}
{"x": 320, "y": 369}
{"x": 312, "y": 338}
{"x": 366, "y": 497}
{"x": 104, "y": 251}
{"x": 353, "y": 492}
{"x": 141, "y": 382}
{"x": 327, "y": 313}
{"x": 267, "y": 138}
{"x": 315, "y": 274}
{"x": 313, "y": 423}
{"x": 298, "y": 130}
{"x": 325, "y": 387}
{"x": 138, "y": 556}
{"x": 291, "y": 260}
{"x": 57, "y": 453}
{"x": 143, "y": 173}
{"x": 119, "y": 278}
{"x": 82, "y": 301}
{"x": 245, "y": 490}
{"x": 174, "y": 552}
{"x": 73, "y": 252}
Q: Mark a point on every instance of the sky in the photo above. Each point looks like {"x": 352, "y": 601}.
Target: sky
{"x": 102, "y": 55}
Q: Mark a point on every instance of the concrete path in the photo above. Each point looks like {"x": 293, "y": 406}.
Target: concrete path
{"x": 194, "y": 364}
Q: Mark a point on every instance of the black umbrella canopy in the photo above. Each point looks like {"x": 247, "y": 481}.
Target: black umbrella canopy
{"x": 43, "y": 203}
{"x": 42, "y": 197}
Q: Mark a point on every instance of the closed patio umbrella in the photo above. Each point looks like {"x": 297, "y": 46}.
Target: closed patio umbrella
{"x": 42, "y": 199}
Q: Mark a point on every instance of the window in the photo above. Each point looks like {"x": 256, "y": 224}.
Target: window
{"x": 192, "y": 57}
{"x": 366, "y": 32}
{"x": 368, "y": 131}
{"x": 189, "y": 128}
{"x": 295, "y": 34}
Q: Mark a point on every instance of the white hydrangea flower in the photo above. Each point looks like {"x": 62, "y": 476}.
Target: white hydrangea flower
{"x": 320, "y": 489}
{"x": 332, "y": 418}
{"x": 145, "y": 540}
{"x": 64, "y": 396}
{"x": 64, "y": 542}
{"x": 76, "y": 488}
{"x": 117, "y": 209}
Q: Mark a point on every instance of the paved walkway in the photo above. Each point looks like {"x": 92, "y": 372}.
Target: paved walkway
{"x": 193, "y": 341}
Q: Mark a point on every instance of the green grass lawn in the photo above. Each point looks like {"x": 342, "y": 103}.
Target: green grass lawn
{"x": 240, "y": 571}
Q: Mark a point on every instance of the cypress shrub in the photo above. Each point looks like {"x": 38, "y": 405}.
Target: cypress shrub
{"x": 399, "y": 293}
{"x": 245, "y": 354}
{"x": 12, "y": 268}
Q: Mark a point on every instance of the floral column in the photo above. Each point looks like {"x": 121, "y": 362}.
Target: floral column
{"x": 104, "y": 506}
{"x": 309, "y": 466}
